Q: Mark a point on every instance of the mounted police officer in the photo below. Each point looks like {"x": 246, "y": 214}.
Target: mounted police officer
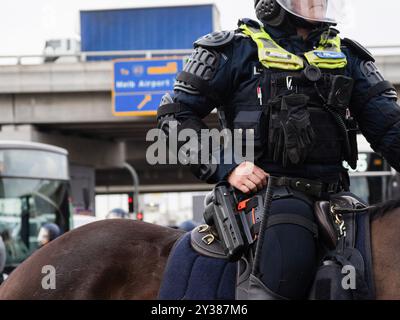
{"x": 305, "y": 93}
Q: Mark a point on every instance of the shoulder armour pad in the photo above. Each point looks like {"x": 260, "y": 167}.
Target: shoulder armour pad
{"x": 215, "y": 40}
{"x": 361, "y": 51}
{"x": 200, "y": 68}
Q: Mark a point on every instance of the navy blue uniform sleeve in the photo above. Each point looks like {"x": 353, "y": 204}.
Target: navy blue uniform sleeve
{"x": 199, "y": 105}
{"x": 378, "y": 118}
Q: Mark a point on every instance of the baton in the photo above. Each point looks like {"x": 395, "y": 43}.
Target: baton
{"x": 269, "y": 193}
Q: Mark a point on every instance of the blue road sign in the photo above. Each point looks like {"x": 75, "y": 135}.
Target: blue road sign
{"x": 140, "y": 84}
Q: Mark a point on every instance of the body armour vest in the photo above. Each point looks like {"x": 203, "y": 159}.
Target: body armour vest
{"x": 317, "y": 91}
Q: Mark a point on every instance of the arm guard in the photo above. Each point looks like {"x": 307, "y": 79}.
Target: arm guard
{"x": 166, "y": 115}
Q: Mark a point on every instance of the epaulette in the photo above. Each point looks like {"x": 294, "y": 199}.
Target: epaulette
{"x": 357, "y": 48}
{"x": 250, "y": 22}
{"x": 216, "y": 39}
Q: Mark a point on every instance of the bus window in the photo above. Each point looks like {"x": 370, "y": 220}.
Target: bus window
{"x": 34, "y": 190}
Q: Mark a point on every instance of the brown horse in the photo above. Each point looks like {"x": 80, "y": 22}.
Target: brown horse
{"x": 119, "y": 259}
{"x": 110, "y": 259}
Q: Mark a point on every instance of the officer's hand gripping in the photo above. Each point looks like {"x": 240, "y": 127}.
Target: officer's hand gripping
{"x": 247, "y": 178}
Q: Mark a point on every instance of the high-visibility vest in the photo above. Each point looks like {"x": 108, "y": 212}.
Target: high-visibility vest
{"x": 328, "y": 54}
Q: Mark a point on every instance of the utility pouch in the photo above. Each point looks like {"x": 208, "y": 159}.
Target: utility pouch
{"x": 254, "y": 122}
{"x": 341, "y": 276}
{"x": 291, "y": 134}
{"x": 340, "y": 93}
{"x": 299, "y": 135}
{"x": 328, "y": 282}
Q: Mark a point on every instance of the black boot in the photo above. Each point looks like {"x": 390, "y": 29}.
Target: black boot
{"x": 258, "y": 291}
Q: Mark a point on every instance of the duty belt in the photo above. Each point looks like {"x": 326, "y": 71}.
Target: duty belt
{"x": 312, "y": 188}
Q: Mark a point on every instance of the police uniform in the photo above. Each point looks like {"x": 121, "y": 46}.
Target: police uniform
{"x": 304, "y": 101}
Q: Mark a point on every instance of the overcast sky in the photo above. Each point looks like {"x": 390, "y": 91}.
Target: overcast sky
{"x": 26, "y": 24}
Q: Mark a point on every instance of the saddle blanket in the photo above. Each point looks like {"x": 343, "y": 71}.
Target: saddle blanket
{"x": 191, "y": 276}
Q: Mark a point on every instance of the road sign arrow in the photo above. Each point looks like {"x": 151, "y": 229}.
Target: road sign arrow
{"x": 146, "y": 100}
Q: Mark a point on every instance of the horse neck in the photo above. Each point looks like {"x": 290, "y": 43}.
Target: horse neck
{"x": 385, "y": 240}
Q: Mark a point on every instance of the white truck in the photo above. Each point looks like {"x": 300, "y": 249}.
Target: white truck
{"x": 62, "y": 50}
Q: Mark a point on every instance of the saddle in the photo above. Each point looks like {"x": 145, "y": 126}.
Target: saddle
{"x": 204, "y": 240}
{"x": 329, "y": 215}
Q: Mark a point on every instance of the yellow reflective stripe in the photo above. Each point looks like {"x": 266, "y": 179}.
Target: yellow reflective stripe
{"x": 259, "y": 35}
{"x": 270, "y": 54}
{"x": 275, "y": 58}
{"x": 329, "y": 43}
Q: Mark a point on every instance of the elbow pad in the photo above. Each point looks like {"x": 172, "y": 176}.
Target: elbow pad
{"x": 379, "y": 86}
{"x": 167, "y": 112}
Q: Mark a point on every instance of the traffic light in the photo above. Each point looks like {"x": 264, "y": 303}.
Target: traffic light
{"x": 139, "y": 216}
{"x": 130, "y": 202}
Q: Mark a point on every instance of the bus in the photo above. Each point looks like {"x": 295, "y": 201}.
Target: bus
{"x": 34, "y": 190}
{"x": 373, "y": 180}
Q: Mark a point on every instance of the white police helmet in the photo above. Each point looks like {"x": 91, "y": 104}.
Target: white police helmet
{"x": 273, "y": 12}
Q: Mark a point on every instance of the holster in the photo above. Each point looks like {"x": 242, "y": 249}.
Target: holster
{"x": 221, "y": 213}
{"x": 236, "y": 223}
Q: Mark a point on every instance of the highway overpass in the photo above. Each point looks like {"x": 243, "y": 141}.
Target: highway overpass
{"x": 69, "y": 105}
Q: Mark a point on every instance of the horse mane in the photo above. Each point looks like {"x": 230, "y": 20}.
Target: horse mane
{"x": 380, "y": 210}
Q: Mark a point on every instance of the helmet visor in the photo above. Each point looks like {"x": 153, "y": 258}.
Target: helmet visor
{"x": 314, "y": 10}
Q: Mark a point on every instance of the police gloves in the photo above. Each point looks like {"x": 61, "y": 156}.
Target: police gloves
{"x": 291, "y": 135}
